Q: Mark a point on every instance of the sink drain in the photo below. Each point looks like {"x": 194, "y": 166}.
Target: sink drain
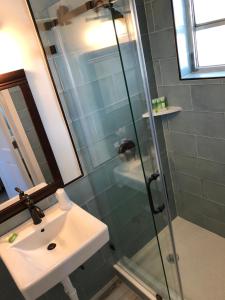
{"x": 51, "y": 246}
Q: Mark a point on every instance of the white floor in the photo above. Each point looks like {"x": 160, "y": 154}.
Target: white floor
{"x": 201, "y": 261}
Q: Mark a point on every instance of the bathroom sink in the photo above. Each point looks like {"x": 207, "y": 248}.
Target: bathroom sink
{"x": 45, "y": 254}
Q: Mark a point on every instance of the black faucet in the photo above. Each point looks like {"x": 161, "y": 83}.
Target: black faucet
{"x": 36, "y": 212}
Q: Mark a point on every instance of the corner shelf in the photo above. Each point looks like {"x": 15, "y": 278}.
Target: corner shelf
{"x": 164, "y": 112}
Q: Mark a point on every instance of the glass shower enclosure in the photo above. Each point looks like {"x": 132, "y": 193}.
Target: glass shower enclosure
{"x": 105, "y": 85}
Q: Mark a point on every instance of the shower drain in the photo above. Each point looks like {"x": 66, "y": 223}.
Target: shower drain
{"x": 171, "y": 258}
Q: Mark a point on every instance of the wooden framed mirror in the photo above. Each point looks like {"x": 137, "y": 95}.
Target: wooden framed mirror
{"x": 26, "y": 157}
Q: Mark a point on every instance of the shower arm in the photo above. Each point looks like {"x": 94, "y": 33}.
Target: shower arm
{"x": 64, "y": 15}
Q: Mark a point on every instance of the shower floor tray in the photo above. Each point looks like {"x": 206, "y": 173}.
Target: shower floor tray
{"x": 201, "y": 261}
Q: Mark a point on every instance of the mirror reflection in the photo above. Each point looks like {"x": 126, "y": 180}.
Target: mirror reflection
{"x": 22, "y": 160}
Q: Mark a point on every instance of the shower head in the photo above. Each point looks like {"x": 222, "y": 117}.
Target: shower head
{"x": 64, "y": 15}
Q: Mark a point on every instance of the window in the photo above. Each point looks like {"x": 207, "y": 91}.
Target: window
{"x": 200, "y": 30}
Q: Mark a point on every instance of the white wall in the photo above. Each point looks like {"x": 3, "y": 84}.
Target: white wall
{"x": 20, "y": 48}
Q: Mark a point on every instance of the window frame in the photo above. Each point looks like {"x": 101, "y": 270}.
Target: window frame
{"x": 187, "y": 56}
{"x": 192, "y": 28}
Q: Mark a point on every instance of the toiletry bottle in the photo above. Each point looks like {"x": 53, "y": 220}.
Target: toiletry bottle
{"x": 166, "y": 103}
{"x": 163, "y": 103}
{"x": 154, "y": 105}
{"x": 159, "y": 106}
{"x": 63, "y": 200}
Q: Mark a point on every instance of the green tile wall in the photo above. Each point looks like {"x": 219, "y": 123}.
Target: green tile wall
{"x": 195, "y": 138}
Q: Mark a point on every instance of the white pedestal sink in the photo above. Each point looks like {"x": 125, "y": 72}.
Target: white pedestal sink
{"x": 76, "y": 235}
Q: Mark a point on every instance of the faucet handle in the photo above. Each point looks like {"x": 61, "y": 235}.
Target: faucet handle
{"x": 25, "y": 197}
{"x": 18, "y": 190}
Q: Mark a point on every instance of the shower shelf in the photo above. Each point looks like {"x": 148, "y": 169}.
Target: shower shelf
{"x": 164, "y": 112}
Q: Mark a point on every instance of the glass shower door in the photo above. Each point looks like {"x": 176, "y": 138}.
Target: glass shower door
{"x": 151, "y": 142}
{"x": 93, "y": 58}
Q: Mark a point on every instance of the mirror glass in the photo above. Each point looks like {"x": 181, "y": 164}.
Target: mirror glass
{"x": 23, "y": 163}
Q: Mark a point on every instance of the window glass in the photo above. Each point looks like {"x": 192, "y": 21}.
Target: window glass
{"x": 211, "y": 53}
{"x": 206, "y": 10}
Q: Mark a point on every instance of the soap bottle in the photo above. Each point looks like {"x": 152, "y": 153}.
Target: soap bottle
{"x": 154, "y": 105}
{"x": 166, "y": 103}
{"x": 163, "y": 103}
{"x": 63, "y": 200}
{"x": 159, "y": 104}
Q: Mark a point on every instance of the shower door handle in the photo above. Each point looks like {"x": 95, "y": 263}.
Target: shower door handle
{"x": 160, "y": 208}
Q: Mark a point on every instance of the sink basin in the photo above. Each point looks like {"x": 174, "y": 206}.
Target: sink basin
{"x": 131, "y": 174}
{"x": 75, "y": 236}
